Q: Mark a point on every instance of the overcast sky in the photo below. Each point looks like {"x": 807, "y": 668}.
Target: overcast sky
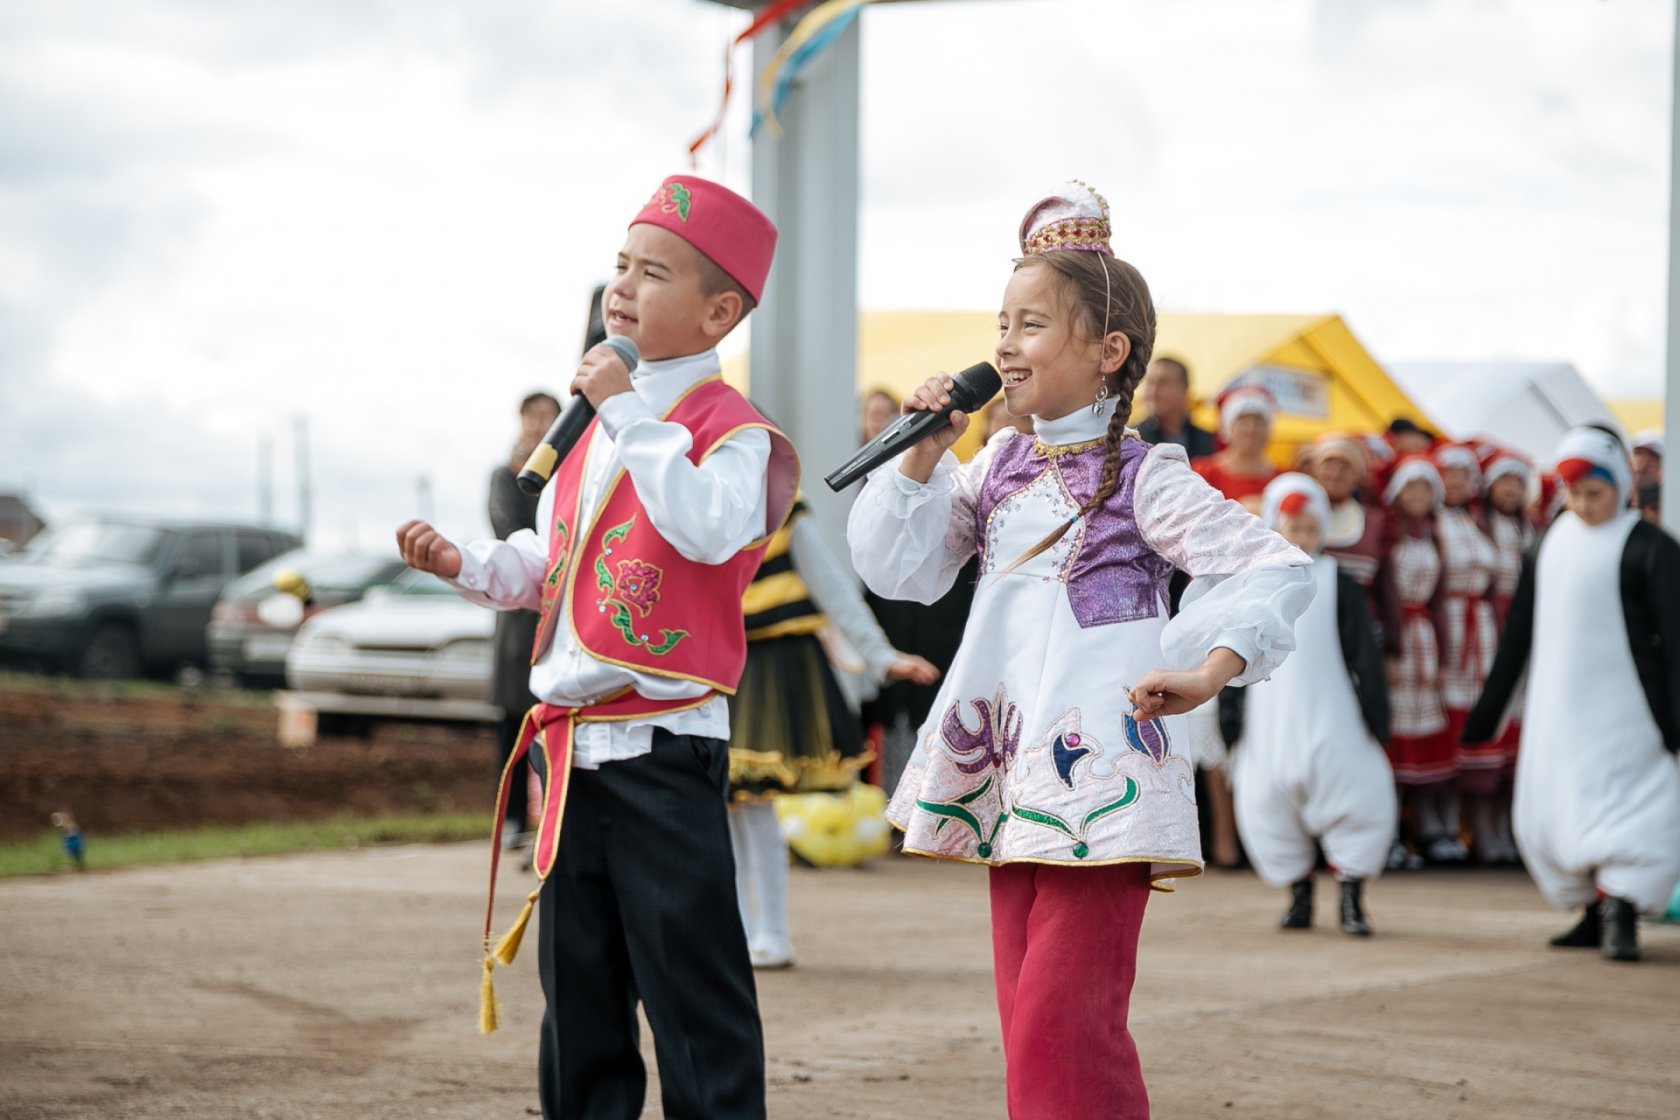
{"x": 385, "y": 216}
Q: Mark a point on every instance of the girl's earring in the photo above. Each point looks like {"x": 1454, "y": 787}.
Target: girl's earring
{"x": 1102, "y": 397}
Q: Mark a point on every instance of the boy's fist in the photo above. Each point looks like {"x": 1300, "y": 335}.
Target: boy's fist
{"x": 423, "y": 547}
{"x": 601, "y": 375}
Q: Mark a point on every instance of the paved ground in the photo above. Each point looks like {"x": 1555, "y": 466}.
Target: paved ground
{"x": 339, "y": 986}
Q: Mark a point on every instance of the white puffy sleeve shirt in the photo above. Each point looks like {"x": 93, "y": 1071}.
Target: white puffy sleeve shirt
{"x": 708, "y": 511}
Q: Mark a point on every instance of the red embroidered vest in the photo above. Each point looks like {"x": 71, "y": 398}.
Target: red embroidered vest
{"x": 634, "y": 599}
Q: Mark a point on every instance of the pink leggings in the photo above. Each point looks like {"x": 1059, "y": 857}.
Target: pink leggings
{"x": 1064, "y": 950}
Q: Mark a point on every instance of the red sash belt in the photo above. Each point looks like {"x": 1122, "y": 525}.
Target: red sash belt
{"x": 554, "y": 726}
{"x": 1470, "y": 657}
{"x": 1416, "y": 612}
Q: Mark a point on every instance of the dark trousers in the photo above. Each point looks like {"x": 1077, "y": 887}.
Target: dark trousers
{"x": 641, "y": 905}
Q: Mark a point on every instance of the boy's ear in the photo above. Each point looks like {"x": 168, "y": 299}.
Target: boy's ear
{"x": 723, "y": 313}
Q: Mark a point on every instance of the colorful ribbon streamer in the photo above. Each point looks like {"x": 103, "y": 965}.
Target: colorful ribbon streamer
{"x": 777, "y": 11}
{"x": 814, "y": 34}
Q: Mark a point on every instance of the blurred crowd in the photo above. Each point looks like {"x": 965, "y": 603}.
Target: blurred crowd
{"x": 1434, "y": 531}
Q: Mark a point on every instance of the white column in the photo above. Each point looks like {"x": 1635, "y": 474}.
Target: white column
{"x": 1671, "y": 409}
{"x": 804, "y": 334}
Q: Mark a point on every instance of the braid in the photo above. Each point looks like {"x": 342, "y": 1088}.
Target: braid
{"x": 1129, "y": 376}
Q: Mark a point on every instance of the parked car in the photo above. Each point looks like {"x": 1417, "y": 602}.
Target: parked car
{"x": 255, "y": 620}
{"x": 412, "y": 649}
{"x": 119, "y": 596}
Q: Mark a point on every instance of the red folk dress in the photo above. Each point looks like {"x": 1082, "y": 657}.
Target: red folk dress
{"x": 1418, "y": 747}
{"x": 1468, "y": 643}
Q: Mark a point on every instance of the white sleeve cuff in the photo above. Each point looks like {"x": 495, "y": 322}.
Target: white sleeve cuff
{"x": 621, "y": 410}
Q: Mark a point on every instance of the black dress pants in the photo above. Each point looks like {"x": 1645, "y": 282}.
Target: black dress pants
{"x": 641, "y": 906}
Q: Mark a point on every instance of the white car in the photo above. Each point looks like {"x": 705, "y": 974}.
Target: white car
{"x": 410, "y": 650}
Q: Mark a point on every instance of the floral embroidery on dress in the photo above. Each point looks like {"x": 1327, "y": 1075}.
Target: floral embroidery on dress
{"x": 1067, "y": 746}
{"x": 1148, "y": 738}
{"x": 993, "y": 743}
{"x": 959, "y": 810}
{"x": 635, "y": 588}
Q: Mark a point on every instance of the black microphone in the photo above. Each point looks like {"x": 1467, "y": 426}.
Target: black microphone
{"x": 973, "y": 387}
{"x": 569, "y": 426}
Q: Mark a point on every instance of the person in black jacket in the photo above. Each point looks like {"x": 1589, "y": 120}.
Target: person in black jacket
{"x": 1310, "y": 768}
{"x": 1597, "y": 798}
{"x": 511, "y": 509}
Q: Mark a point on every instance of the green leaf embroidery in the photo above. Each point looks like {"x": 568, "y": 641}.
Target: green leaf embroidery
{"x": 603, "y": 578}
{"x": 672, "y": 637}
{"x": 1050, "y": 820}
{"x": 618, "y": 532}
{"x": 956, "y": 813}
{"x": 620, "y": 618}
{"x": 955, "y": 810}
{"x": 1115, "y": 806}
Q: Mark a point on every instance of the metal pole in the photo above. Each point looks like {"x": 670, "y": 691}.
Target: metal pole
{"x": 265, "y": 480}
{"x": 301, "y": 430}
{"x": 804, "y": 334}
{"x": 1671, "y": 410}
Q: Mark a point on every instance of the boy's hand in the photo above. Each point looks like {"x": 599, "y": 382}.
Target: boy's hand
{"x": 424, "y": 548}
{"x": 933, "y": 395}
{"x": 601, "y": 375}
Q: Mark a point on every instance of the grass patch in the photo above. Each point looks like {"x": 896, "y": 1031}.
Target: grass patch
{"x": 44, "y": 856}
{"x": 71, "y": 688}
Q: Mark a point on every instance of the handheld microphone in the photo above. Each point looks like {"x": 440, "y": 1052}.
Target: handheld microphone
{"x": 569, "y": 427}
{"x": 973, "y": 387}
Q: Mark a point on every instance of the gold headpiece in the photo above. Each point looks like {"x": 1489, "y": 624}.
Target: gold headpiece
{"x": 1075, "y": 218}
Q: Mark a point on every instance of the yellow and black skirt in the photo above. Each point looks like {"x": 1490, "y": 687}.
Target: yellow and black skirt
{"x": 790, "y": 728}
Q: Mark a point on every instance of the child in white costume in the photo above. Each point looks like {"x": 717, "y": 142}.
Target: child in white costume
{"x": 1049, "y": 754}
{"x": 1596, "y": 619}
{"x": 1310, "y": 764}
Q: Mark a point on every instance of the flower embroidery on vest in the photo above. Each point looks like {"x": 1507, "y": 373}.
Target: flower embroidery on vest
{"x": 638, "y": 584}
{"x": 635, "y": 588}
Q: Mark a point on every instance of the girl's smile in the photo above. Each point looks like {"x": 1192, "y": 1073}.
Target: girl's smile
{"x": 1049, "y": 369}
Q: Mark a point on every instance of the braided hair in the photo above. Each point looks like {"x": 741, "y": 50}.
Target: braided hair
{"x": 1108, "y": 294}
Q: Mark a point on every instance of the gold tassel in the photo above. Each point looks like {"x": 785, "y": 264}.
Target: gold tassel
{"x": 489, "y": 1013}
{"x": 508, "y": 947}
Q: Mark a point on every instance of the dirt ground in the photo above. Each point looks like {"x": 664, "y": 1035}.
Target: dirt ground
{"x": 168, "y": 759}
{"x": 343, "y": 985}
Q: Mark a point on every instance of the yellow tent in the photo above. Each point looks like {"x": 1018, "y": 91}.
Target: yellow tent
{"x": 1638, "y": 415}
{"x": 1323, "y": 378}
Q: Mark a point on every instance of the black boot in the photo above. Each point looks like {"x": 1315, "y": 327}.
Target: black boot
{"x": 1353, "y": 914}
{"x": 1299, "y": 915}
{"x": 1587, "y": 934}
{"x": 1621, "y": 930}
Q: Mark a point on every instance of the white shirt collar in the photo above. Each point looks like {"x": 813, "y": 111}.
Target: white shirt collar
{"x": 1077, "y": 426}
{"x": 661, "y": 383}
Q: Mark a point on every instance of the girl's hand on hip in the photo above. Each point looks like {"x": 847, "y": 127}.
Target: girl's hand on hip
{"x": 1169, "y": 692}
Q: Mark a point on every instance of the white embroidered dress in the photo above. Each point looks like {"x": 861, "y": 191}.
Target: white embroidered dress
{"x": 1029, "y": 753}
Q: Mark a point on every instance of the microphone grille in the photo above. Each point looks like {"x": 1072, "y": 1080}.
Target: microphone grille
{"x": 626, "y": 350}
{"x": 975, "y": 386}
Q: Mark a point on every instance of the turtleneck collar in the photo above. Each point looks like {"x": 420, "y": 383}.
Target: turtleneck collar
{"x": 660, "y": 383}
{"x": 1078, "y": 426}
